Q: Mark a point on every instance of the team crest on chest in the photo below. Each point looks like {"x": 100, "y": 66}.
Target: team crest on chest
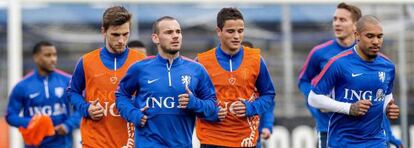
{"x": 59, "y": 92}
{"x": 232, "y": 80}
{"x": 113, "y": 79}
{"x": 186, "y": 79}
{"x": 381, "y": 76}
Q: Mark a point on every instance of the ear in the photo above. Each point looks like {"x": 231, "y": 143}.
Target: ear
{"x": 103, "y": 31}
{"x": 155, "y": 38}
{"x": 219, "y": 31}
{"x": 357, "y": 36}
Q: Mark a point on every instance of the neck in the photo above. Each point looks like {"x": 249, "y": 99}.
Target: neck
{"x": 42, "y": 72}
{"x": 169, "y": 57}
{"x": 347, "y": 41}
{"x": 362, "y": 55}
{"x": 228, "y": 51}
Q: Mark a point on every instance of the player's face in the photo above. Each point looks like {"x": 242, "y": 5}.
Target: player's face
{"x": 116, "y": 37}
{"x": 231, "y": 35}
{"x": 370, "y": 40}
{"x": 342, "y": 23}
{"x": 169, "y": 37}
{"x": 46, "y": 59}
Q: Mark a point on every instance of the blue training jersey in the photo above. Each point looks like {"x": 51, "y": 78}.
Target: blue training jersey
{"x": 353, "y": 79}
{"x": 40, "y": 95}
{"x": 316, "y": 60}
{"x": 153, "y": 82}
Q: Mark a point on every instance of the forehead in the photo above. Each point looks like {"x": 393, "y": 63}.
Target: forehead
{"x": 168, "y": 25}
{"x": 372, "y": 28}
{"x": 340, "y": 12}
{"x": 47, "y": 49}
{"x": 234, "y": 24}
{"x": 119, "y": 29}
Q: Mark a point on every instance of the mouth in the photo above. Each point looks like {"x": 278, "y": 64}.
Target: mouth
{"x": 374, "y": 48}
{"x": 235, "y": 42}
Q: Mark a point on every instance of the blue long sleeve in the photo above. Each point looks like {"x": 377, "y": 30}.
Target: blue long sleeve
{"x": 75, "y": 90}
{"x": 264, "y": 85}
{"x": 127, "y": 88}
{"x": 14, "y": 107}
{"x": 204, "y": 104}
{"x": 74, "y": 119}
{"x": 390, "y": 137}
{"x": 267, "y": 119}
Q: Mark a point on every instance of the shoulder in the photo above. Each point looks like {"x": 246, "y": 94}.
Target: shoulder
{"x": 206, "y": 53}
{"x": 92, "y": 53}
{"x": 137, "y": 53}
{"x": 28, "y": 78}
{"x": 191, "y": 63}
{"x": 320, "y": 48}
{"x": 342, "y": 57}
{"x": 385, "y": 60}
{"x": 63, "y": 74}
{"x": 143, "y": 63}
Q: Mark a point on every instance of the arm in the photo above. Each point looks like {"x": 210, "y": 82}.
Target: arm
{"x": 14, "y": 107}
{"x": 76, "y": 88}
{"x": 264, "y": 85}
{"x": 267, "y": 119}
{"x": 388, "y": 132}
{"x": 309, "y": 70}
{"x": 323, "y": 84}
{"x": 203, "y": 103}
{"x": 74, "y": 119}
{"x": 127, "y": 87}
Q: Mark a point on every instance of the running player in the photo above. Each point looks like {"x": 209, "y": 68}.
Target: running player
{"x": 343, "y": 25}
{"x": 360, "y": 81}
{"x": 170, "y": 90}
{"x": 242, "y": 82}
{"x": 95, "y": 79}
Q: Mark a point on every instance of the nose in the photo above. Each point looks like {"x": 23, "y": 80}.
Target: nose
{"x": 122, "y": 39}
{"x": 375, "y": 41}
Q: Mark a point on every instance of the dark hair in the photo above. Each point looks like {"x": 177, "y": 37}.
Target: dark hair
{"x": 155, "y": 25}
{"x": 355, "y": 11}
{"x": 247, "y": 44}
{"x": 228, "y": 14}
{"x": 38, "y": 46}
{"x": 136, "y": 43}
{"x": 115, "y": 16}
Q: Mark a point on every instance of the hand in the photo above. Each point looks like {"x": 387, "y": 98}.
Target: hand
{"x": 95, "y": 110}
{"x": 393, "y": 111}
{"x": 222, "y": 113}
{"x": 184, "y": 99}
{"x": 61, "y": 129}
{"x": 144, "y": 118}
{"x": 239, "y": 108}
{"x": 360, "y": 108}
{"x": 265, "y": 133}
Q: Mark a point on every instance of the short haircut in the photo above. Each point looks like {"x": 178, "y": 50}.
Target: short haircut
{"x": 136, "y": 44}
{"x": 228, "y": 14}
{"x": 366, "y": 19}
{"x": 38, "y": 46}
{"x": 115, "y": 16}
{"x": 155, "y": 28}
{"x": 247, "y": 44}
{"x": 355, "y": 11}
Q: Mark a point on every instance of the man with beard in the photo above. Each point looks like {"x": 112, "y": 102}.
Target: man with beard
{"x": 95, "y": 79}
{"x": 361, "y": 81}
{"x": 343, "y": 25}
{"x": 163, "y": 94}
{"x": 45, "y": 105}
{"x": 243, "y": 85}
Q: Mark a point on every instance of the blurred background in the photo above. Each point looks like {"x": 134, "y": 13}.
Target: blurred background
{"x": 285, "y": 31}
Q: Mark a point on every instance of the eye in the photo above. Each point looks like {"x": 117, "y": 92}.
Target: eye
{"x": 240, "y": 30}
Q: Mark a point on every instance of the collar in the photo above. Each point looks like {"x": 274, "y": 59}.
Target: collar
{"x": 36, "y": 73}
{"x": 344, "y": 47}
{"x": 176, "y": 61}
{"x": 112, "y": 55}
{"x": 221, "y": 53}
